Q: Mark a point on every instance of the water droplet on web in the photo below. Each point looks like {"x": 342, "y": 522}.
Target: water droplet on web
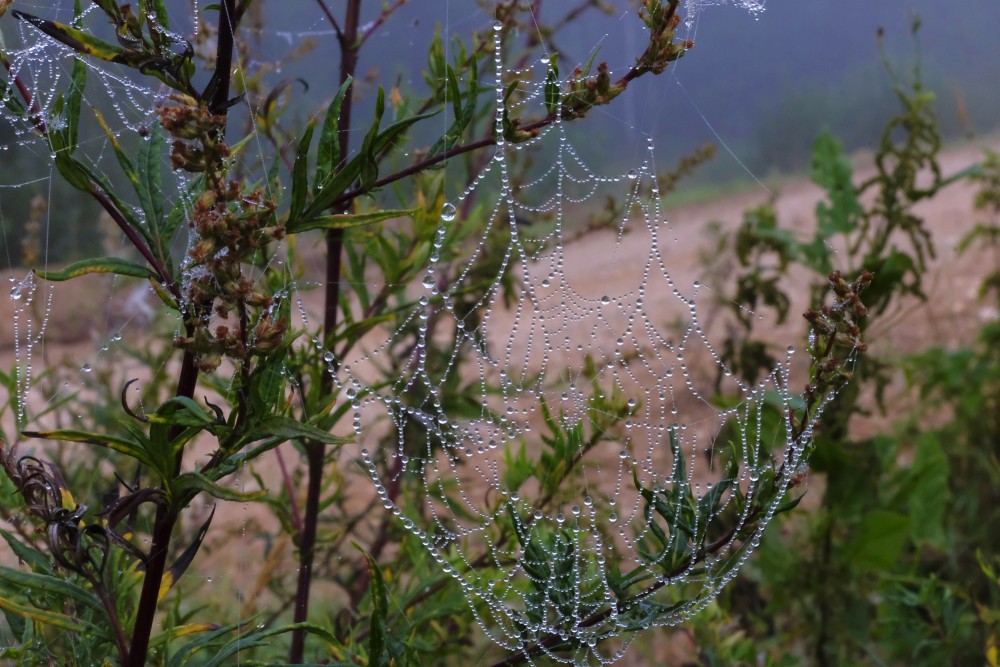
{"x": 86, "y": 368}
{"x": 605, "y": 299}
{"x": 498, "y": 26}
{"x": 448, "y": 212}
{"x": 429, "y": 281}
{"x": 632, "y": 174}
{"x": 16, "y": 292}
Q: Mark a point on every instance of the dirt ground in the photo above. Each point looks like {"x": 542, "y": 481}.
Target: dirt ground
{"x": 79, "y": 324}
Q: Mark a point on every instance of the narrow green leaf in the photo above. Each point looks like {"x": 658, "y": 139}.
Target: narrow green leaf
{"x": 74, "y": 100}
{"x": 369, "y": 154}
{"x": 328, "y": 153}
{"x": 348, "y": 220}
{"x": 43, "y": 583}
{"x": 552, "y": 91}
{"x": 378, "y": 634}
{"x": 192, "y": 483}
{"x": 291, "y": 429}
{"x": 243, "y": 642}
{"x": 149, "y": 183}
{"x": 162, "y": 18}
{"x": 182, "y": 411}
{"x": 127, "y": 447}
{"x": 181, "y": 210}
{"x": 77, "y": 40}
{"x": 300, "y": 177}
{"x": 35, "y": 559}
{"x": 73, "y": 171}
{"x": 123, "y": 159}
{"x": 51, "y": 618}
{"x": 114, "y": 265}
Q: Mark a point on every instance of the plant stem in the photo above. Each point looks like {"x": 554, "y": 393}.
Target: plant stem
{"x": 348, "y": 39}
{"x": 166, "y": 516}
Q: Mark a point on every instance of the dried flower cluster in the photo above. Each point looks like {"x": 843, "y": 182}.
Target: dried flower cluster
{"x": 229, "y": 228}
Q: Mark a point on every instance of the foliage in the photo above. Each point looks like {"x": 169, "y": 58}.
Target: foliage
{"x": 90, "y": 589}
{"x": 889, "y": 568}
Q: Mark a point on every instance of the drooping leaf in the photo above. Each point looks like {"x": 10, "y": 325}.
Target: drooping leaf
{"x": 113, "y": 265}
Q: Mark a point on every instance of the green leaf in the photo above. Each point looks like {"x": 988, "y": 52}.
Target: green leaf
{"x": 378, "y": 654}
{"x": 149, "y": 184}
{"x": 369, "y": 154}
{"x": 182, "y": 411}
{"x": 114, "y": 265}
{"x": 292, "y": 429}
{"x": 348, "y": 220}
{"x": 35, "y": 559}
{"x": 244, "y": 642}
{"x": 879, "y": 540}
{"x": 552, "y": 90}
{"x": 192, "y": 483}
{"x": 74, "y": 99}
{"x": 931, "y": 492}
{"x": 831, "y": 170}
{"x": 51, "y": 618}
{"x": 181, "y": 211}
{"x": 127, "y": 447}
{"x": 73, "y": 171}
{"x": 77, "y": 40}
{"x": 328, "y": 153}
{"x": 300, "y": 178}
{"x": 56, "y": 586}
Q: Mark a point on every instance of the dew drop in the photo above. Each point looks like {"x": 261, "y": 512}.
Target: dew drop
{"x": 87, "y": 368}
{"x": 632, "y": 174}
{"x": 448, "y": 212}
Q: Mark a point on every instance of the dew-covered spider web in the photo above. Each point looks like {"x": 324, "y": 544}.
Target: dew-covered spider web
{"x": 557, "y": 409}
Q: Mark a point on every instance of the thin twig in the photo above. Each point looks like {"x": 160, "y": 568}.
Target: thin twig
{"x": 332, "y": 19}
{"x": 377, "y": 23}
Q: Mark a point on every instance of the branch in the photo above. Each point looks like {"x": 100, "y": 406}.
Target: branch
{"x": 417, "y": 167}
{"x": 386, "y": 13}
{"x": 332, "y": 19}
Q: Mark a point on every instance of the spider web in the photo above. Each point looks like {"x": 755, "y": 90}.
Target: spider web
{"x": 611, "y": 377}
{"x": 601, "y": 368}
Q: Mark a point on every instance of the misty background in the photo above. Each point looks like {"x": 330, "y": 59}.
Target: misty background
{"x": 760, "y": 87}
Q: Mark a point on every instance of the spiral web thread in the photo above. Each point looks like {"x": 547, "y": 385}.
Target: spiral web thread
{"x": 623, "y": 378}
{"x": 569, "y": 360}
{"x": 127, "y": 104}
